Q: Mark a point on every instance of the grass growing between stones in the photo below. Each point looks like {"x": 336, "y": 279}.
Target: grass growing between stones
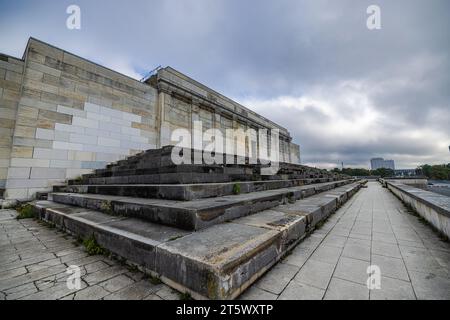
{"x": 78, "y": 179}
{"x": 319, "y": 224}
{"x": 132, "y": 268}
{"x": 93, "y": 248}
{"x": 185, "y": 296}
{"x": 175, "y": 238}
{"x": 78, "y": 241}
{"x": 106, "y": 207}
{"x": 291, "y": 198}
{"x": 236, "y": 188}
{"x": 25, "y": 211}
{"x": 47, "y": 224}
{"x": 153, "y": 279}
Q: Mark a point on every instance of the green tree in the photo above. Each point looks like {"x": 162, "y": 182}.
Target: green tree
{"x": 438, "y": 172}
{"x": 383, "y": 172}
{"x": 356, "y": 172}
{"x": 426, "y": 170}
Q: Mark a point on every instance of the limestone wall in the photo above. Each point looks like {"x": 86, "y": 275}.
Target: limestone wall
{"x": 433, "y": 207}
{"x": 74, "y": 116}
{"x": 11, "y": 70}
{"x": 184, "y": 100}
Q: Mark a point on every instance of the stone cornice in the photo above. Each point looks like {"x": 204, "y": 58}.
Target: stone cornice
{"x": 168, "y": 87}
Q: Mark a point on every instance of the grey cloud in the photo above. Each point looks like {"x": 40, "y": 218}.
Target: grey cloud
{"x": 262, "y": 49}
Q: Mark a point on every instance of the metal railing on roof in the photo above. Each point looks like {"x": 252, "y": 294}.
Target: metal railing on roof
{"x": 150, "y": 73}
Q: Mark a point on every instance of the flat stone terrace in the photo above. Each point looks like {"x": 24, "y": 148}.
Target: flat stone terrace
{"x": 373, "y": 227}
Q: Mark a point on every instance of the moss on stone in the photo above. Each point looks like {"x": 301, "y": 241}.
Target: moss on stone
{"x": 25, "y": 211}
{"x": 236, "y": 188}
{"x": 92, "y": 247}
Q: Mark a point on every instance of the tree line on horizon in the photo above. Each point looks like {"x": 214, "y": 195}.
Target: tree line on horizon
{"x": 436, "y": 172}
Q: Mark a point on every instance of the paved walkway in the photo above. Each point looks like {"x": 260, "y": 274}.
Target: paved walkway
{"x": 34, "y": 259}
{"x": 373, "y": 228}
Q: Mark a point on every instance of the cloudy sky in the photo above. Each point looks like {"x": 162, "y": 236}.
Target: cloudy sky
{"x": 346, "y": 93}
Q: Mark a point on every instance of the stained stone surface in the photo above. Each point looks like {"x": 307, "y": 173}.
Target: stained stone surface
{"x": 202, "y": 213}
{"x": 373, "y": 227}
{"x": 210, "y": 262}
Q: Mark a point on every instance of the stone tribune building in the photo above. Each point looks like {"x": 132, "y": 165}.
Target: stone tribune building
{"x": 62, "y": 116}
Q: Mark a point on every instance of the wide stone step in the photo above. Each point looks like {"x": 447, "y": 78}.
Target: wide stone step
{"x": 188, "y": 177}
{"x": 183, "y": 191}
{"x": 216, "y": 263}
{"x": 155, "y": 165}
{"x": 192, "y": 173}
{"x": 194, "y": 214}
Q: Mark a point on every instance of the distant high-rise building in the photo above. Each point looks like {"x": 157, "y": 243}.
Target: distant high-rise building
{"x": 377, "y": 163}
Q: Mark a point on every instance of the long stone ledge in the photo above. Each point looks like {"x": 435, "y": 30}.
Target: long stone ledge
{"x": 433, "y": 207}
{"x": 194, "y": 214}
{"x": 219, "y": 262}
{"x": 186, "y": 192}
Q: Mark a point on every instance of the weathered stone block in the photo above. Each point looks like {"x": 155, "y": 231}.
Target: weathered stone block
{"x": 47, "y": 173}
{"x": 26, "y": 132}
{"x": 7, "y": 123}
{"x": 45, "y": 134}
{"x": 45, "y": 50}
{"x": 65, "y": 164}
{"x": 69, "y": 128}
{"x": 82, "y": 139}
{"x": 34, "y": 74}
{"x": 67, "y": 145}
{"x": 20, "y": 162}
{"x": 28, "y": 112}
{"x": 55, "y": 116}
{"x": 44, "y": 69}
{"x": 11, "y": 66}
{"x": 5, "y": 153}
{"x": 81, "y": 155}
{"x": 50, "y": 154}
{"x": 16, "y": 193}
{"x": 87, "y": 123}
{"x": 108, "y": 142}
{"x": 40, "y": 86}
{"x": 36, "y": 104}
{"x": 46, "y": 124}
{"x": 26, "y": 183}
{"x": 71, "y": 111}
{"x": 90, "y": 107}
{"x": 27, "y": 142}
{"x": 19, "y": 173}
{"x": 21, "y": 152}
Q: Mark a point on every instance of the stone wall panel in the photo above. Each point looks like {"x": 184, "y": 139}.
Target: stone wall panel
{"x": 62, "y": 116}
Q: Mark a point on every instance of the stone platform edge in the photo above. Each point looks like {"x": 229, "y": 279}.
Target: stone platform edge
{"x": 433, "y": 207}
{"x": 162, "y": 256}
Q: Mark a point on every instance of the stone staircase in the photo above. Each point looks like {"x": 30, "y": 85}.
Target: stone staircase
{"x": 210, "y": 230}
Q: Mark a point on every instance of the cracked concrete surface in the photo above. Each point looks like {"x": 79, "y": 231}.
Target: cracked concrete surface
{"x": 34, "y": 259}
